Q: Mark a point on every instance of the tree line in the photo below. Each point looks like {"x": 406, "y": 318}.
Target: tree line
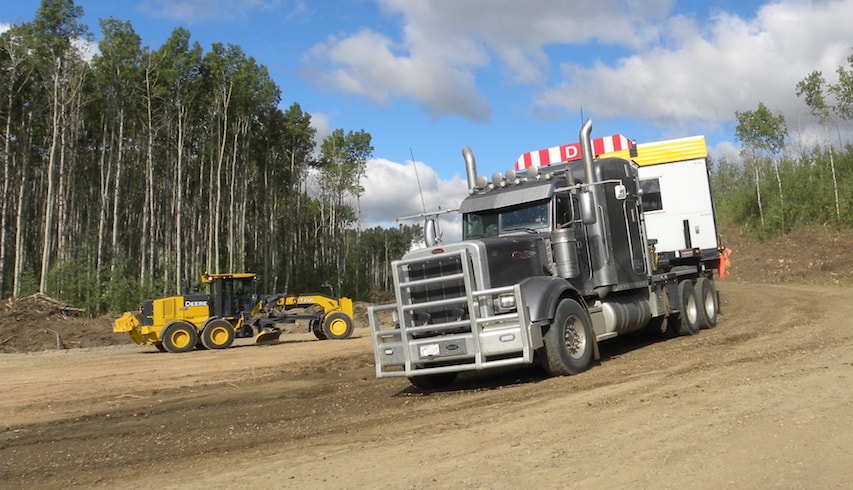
{"x": 129, "y": 174}
{"x": 780, "y": 186}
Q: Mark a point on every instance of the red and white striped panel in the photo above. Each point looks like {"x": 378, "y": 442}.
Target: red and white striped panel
{"x": 565, "y": 153}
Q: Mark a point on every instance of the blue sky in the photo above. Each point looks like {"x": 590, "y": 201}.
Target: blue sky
{"x": 427, "y": 77}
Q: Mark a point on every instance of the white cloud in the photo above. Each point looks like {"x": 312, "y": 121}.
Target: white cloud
{"x": 366, "y": 64}
{"x": 320, "y": 122}
{"x": 707, "y": 73}
{"x": 391, "y": 191}
{"x": 443, "y": 44}
{"x": 725, "y": 150}
{"x": 678, "y": 72}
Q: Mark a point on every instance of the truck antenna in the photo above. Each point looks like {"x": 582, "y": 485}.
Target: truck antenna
{"x": 417, "y": 177}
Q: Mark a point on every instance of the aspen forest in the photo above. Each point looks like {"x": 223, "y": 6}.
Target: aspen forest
{"x": 129, "y": 172}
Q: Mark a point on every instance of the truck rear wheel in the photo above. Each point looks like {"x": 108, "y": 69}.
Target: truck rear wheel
{"x": 688, "y": 323}
{"x": 568, "y": 341}
{"x": 706, "y": 294}
{"x": 179, "y": 337}
{"x": 217, "y": 334}
{"x": 337, "y": 326}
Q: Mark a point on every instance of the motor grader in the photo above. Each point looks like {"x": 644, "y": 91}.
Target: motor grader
{"x": 230, "y": 309}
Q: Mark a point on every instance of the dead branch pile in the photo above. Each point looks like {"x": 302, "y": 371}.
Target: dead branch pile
{"x": 40, "y": 305}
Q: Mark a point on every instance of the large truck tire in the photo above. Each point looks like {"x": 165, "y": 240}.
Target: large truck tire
{"x": 179, "y": 337}
{"x": 706, "y": 294}
{"x": 569, "y": 340}
{"x": 688, "y": 318}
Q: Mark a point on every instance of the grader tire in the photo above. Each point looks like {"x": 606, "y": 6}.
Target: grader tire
{"x": 179, "y": 337}
{"x": 217, "y": 334}
{"x": 317, "y": 329}
{"x": 338, "y": 325}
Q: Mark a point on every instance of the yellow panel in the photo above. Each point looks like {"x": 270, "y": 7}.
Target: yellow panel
{"x": 169, "y": 308}
{"x": 665, "y": 151}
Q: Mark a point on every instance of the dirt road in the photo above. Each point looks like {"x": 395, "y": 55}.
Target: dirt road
{"x": 763, "y": 400}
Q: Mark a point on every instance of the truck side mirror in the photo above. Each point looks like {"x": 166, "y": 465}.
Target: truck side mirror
{"x": 587, "y": 207}
{"x": 430, "y": 233}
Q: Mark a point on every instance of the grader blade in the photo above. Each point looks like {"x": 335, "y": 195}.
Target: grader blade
{"x": 268, "y": 335}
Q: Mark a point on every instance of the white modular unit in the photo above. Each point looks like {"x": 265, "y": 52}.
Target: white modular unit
{"x": 682, "y": 213}
{"x": 677, "y": 203}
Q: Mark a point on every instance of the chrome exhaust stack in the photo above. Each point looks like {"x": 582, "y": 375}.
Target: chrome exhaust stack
{"x": 586, "y": 149}
{"x": 470, "y": 168}
{"x": 586, "y": 199}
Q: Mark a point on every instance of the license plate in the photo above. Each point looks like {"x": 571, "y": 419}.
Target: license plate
{"x": 430, "y": 350}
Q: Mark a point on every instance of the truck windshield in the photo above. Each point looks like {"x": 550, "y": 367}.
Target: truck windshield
{"x": 528, "y": 217}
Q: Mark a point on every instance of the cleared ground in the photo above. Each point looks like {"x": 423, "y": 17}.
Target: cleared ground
{"x": 762, "y": 400}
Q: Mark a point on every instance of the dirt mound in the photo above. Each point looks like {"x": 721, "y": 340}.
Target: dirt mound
{"x": 39, "y": 322}
{"x": 815, "y": 255}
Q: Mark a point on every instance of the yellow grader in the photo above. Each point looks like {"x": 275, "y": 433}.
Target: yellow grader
{"x": 230, "y": 309}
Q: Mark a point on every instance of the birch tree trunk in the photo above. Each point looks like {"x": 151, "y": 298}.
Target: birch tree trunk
{"x": 117, "y": 193}
{"x": 178, "y": 209}
{"x": 758, "y": 194}
{"x": 105, "y": 174}
{"x": 781, "y": 194}
{"x": 20, "y": 251}
{"x": 834, "y": 178}
{"x": 51, "y": 188}
{"x": 146, "y": 251}
{"x": 7, "y": 160}
{"x": 233, "y": 201}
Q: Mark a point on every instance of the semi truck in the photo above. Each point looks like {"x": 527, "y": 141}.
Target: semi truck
{"x": 555, "y": 259}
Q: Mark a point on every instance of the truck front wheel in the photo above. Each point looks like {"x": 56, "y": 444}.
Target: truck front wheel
{"x": 568, "y": 341}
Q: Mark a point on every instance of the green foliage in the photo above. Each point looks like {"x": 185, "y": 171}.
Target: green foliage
{"x": 809, "y": 196}
{"x": 812, "y": 89}
{"x": 161, "y": 163}
{"x": 760, "y": 131}
{"x": 843, "y": 91}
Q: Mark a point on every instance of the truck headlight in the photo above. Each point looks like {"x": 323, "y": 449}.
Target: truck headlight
{"x": 506, "y": 302}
